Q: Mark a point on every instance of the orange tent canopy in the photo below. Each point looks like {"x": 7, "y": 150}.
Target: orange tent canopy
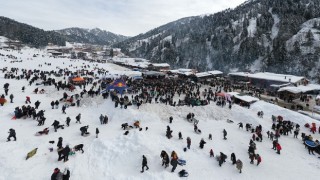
{"x": 3, "y": 100}
{"x": 78, "y": 79}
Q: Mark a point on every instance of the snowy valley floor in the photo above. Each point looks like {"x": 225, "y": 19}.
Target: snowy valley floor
{"x": 115, "y": 156}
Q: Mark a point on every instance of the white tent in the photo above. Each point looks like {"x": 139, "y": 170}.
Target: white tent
{"x": 246, "y": 98}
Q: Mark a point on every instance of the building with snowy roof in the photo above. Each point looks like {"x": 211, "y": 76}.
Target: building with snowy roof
{"x": 293, "y": 92}
{"x": 206, "y": 76}
{"x": 266, "y": 80}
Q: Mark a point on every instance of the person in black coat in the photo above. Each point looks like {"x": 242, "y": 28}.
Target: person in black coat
{"x": 41, "y": 121}
{"x": 66, "y": 174}
{"x": 170, "y": 119}
{"x": 78, "y": 147}
{"x": 37, "y": 104}
{"x": 65, "y": 153}
{"x": 180, "y": 135}
{"x": 78, "y": 118}
{"x": 240, "y": 125}
{"x": 165, "y": 158}
{"x": 233, "y": 158}
{"x": 40, "y": 114}
{"x": 224, "y": 134}
{"x": 68, "y": 121}
{"x": 55, "y": 125}
{"x": 84, "y": 130}
{"x": 59, "y": 145}
{"x": 57, "y": 104}
{"x": 6, "y": 91}
{"x": 222, "y": 158}
{"x": 274, "y": 143}
{"x": 64, "y": 107}
{"x": 97, "y": 132}
{"x": 174, "y": 163}
{"x": 202, "y": 142}
{"x": 11, "y": 98}
{"x": 144, "y": 163}
{"x": 12, "y": 133}
{"x": 52, "y": 104}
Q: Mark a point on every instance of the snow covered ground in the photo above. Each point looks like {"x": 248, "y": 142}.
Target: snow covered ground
{"x": 115, "y": 156}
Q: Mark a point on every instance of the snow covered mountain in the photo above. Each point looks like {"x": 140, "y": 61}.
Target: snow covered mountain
{"x": 92, "y": 36}
{"x": 272, "y": 35}
{"x": 28, "y": 34}
{"x": 38, "y": 37}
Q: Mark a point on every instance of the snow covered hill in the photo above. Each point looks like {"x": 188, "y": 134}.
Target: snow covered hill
{"x": 92, "y": 36}
{"x": 116, "y": 156}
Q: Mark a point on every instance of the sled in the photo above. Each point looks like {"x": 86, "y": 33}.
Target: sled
{"x": 311, "y": 144}
{"x": 31, "y": 153}
{"x": 182, "y": 162}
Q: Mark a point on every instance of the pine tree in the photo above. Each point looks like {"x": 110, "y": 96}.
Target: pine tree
{"x": 309, "y": 37}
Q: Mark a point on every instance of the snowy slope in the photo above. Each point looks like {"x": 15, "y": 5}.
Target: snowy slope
{"x": 301, "y": 37}
{"x": 115, "y": 156}
{"x": 275, "y": 26}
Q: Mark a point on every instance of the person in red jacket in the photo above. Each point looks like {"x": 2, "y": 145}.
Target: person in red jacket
{"x": 259, "y": 159}
{"x": 28, "y": 100}
{"x": 278, "y": 146}
{"x": 56, "y": 175}
{"x": 313, "y": 129}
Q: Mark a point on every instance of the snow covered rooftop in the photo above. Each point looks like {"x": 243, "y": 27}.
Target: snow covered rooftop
{"x": 138, "y": 64}
{"x": 301, "y": 88}
{"x": 215, "y": 72}
{"x": 142, "y": 63}
{"x": 269, "y": 76}
{"x": 246, "y": 98}
{"x": 203, "y": 74}
{"x": 160, "y": 64}
{"x": 186, "y": 72}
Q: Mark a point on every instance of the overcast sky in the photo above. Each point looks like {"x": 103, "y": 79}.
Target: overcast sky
{"x": 127, "y": 17}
